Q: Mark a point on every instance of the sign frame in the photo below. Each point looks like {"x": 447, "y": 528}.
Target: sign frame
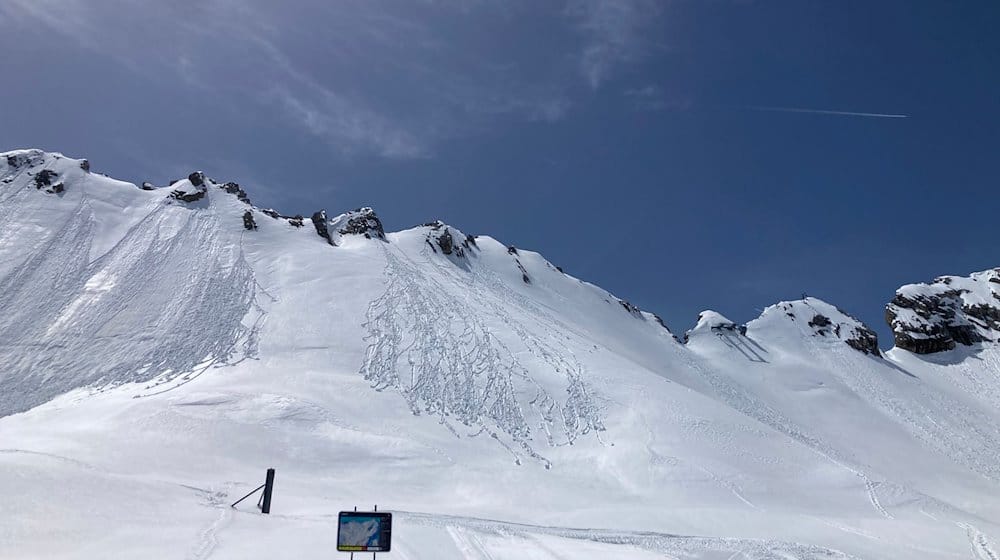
{"x": 385, "y": 523}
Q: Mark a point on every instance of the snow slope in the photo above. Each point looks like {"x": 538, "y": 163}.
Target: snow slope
{"x": 162, "y": 347}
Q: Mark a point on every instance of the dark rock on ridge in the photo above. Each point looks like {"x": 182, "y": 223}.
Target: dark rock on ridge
{"x": 319, "y": 221}
{"x": 234, "y": 188}
{"x": 189, "y": 195}
{"x": 43, "y": 181}
{"x": 361, "y": 221}
{"x": 248, "y": 222}
{"x": 629, "y": 307}
{"x": 446, "y": 242}
{"x": 440, "y": 237}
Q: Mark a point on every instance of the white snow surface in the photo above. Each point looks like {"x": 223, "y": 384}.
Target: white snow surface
{"x": 158, "y": 357}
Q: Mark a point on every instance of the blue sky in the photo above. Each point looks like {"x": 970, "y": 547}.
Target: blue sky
{"x": 642, "y": 145}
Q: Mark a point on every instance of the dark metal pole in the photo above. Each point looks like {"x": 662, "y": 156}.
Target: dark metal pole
{"x": 247, "y": 496}
{"x": 268, "y": 487}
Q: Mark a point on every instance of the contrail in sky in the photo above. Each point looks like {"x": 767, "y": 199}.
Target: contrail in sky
{"x": 825, "y": 112}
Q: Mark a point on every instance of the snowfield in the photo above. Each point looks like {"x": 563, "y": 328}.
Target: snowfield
{"x": 159, "y": 351}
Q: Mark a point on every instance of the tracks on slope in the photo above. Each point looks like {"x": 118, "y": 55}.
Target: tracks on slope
{"x": 686, "y": 546}
{"x": 981, "y": 548}
{"x": 444, "y": 360}
{"x": 431, "y": 342}
{"x": 743, "y": 401}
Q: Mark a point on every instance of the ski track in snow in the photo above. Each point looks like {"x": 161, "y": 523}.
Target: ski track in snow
{"x": 874, "y": 389}
{"x": 961, "y": 435}
{"x": 663, "y": 543}
{"x": 469, "y": 545}
{"x": 170, "y": 295}
{"x": 981, "y": 548}
{"x": 722, "y": 482}
{"x": 580, "y": 414}
{"x": 454, "y": 366}
{"x": 63, "y": 458}
{"x": 208, "y": 539}
{"x": 742, "y": 400}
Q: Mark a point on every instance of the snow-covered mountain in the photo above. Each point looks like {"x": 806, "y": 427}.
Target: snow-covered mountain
{"x": 161, "y": 345}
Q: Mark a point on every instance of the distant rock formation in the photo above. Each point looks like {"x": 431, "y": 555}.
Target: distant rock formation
{"x": 362, "y": 221}
{"x": 951, "y": 310}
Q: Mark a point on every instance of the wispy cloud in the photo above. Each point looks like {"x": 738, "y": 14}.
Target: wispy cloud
{"x": 614, "y": 32}
{"x": 390, "y": 79}
{"x": 828, "y": 112}
{"x": 655, "y": 98}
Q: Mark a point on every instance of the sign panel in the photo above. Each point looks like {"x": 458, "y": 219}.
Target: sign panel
{"x": 364, "y": 531}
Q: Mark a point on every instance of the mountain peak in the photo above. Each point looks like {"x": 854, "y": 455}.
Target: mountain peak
{"x": 817, "y": 318}
{"x": 361, "y": 221}
{"x": 447, "y": 239}
{"x": 713, "y": 321}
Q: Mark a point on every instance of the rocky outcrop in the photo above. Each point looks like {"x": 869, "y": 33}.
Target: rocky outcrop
{"x": 320, "y": 223}
{"x": 234, "y": 188}
{"x": 248, "y": 222}
{"x": 45, "y": 180}
{"x": 446, "y": 242}
{"x": 23, "y": 159}
{"x": 147, "y": 186}
{"x": 950, "y": 311}
{"x": 188, "y": 191}
{"x": 629, "y": 307}
{"x": 440, "y": 238}
{"x": 864, "y": 340}
{"x": 361, "y": 221}
{"x": 524, "y": 273}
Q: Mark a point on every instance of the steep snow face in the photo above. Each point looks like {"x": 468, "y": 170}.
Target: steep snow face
{"x": 816, "y": 319}
{"x": 165, "y": 349}
{"x": 930, "y": 318}
{"x": 105, "y": 283}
